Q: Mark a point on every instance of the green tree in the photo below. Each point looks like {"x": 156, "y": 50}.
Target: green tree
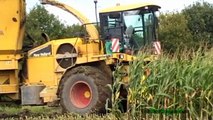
{"x": 74, "y": 30}
{"x": 174, "y": 32}
{"x": 200, "y": 21}
{"x": 39, "y": 21}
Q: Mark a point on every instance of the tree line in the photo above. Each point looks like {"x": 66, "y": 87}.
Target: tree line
{"x": 189, "y": 28}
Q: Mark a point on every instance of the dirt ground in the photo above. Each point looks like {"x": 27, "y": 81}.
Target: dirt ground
{"x": 24, "y": 112}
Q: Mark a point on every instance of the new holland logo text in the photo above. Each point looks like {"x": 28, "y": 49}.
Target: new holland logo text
{"x": 41, "y": 54}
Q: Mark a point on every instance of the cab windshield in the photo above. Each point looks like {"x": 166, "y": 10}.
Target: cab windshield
{"x": 140, "y": 28}
{"x": 134, "y": 28}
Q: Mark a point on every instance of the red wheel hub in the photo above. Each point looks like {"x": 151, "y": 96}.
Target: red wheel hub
{"x": 80, "y": 94}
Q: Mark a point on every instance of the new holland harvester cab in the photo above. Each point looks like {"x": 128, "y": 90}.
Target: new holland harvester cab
{"x": 130, "y": 28}
{"x": 72, "y": 71}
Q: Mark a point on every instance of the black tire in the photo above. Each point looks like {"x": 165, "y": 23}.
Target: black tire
{"x": 89, "y": 78}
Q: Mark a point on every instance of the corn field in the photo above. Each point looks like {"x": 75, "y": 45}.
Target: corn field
{"x": 178, "y": 87}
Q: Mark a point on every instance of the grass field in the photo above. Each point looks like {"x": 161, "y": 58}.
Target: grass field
{"x": 15, "y": 112}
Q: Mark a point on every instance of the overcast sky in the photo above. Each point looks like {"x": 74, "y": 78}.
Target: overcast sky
{"x": 87, "y": 7}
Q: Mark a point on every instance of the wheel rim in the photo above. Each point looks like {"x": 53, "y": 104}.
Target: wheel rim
{"x": 80, "y": 94}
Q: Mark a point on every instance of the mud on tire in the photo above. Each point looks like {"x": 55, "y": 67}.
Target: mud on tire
{"x": 84, "y": 90}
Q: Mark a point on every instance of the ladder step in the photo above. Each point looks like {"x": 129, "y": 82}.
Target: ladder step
{"x": 10, "y": 88}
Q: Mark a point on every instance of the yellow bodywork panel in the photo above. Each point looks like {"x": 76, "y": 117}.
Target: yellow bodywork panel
{"x": 12, "y": 88}
{"x": 12, "y": 13}
{"x": 127, "y": 7}
{"x": 49, "y": 94}
{"x": 9, "y": 62}
{"x": 11, "y": 25}
{"x": 90, "y": 49}
{"x": 9, "y": 83}
{"x": 41, "y": 70}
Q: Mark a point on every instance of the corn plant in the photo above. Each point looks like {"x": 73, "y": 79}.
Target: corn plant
{"x": 181, "y": 83}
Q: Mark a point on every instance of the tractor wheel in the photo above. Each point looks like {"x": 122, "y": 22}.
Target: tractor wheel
{"x": 84, "y": 90}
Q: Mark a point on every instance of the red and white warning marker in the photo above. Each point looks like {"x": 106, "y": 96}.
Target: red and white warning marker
{"x": 157, "y": 47}
{"x": 115, "y": 45}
